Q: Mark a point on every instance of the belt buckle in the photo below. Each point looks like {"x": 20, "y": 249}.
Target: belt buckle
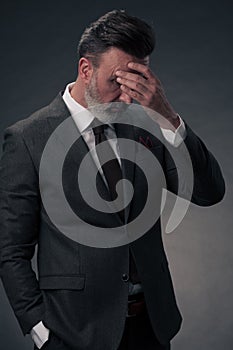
{"x": 130, "y": 302}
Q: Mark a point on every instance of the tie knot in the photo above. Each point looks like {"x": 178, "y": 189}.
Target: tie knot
{"x": 99, "y": 129}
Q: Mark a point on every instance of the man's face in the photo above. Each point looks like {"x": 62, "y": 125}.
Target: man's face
{"x": 103, "y": 87}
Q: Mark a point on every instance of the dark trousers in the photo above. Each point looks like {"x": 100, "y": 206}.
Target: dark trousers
{"x": 138, "y": 335}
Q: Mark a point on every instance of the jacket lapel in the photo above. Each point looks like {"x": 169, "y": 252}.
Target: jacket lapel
{"x": 59, "y": 113}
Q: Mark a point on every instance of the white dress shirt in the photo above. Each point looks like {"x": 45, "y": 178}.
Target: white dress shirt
{"x": 39, "y": 332}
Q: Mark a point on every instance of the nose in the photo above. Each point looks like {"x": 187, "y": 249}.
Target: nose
{"x": 125, "y": 98}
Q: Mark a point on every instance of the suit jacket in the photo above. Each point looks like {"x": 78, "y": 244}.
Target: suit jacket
{"x": 79, "y": 292}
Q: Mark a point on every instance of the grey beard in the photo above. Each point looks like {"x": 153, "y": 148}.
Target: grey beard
{"x": 106, "y": 113}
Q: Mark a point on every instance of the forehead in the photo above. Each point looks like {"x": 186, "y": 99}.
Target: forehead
{"x": 115, "y": 59}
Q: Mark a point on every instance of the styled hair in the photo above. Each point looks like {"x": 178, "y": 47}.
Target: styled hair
{"x": 116, "y": 29}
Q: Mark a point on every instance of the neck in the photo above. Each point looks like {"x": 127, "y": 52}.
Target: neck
{"x": 77, "y": 93}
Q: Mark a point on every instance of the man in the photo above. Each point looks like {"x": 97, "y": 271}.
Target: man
{"x": 86, "y": 297}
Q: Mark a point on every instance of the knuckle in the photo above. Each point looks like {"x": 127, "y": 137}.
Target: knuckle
{"x": 154, "y": 81}
{"x": 149, "y": 95}
{"x": 154, "y": 89}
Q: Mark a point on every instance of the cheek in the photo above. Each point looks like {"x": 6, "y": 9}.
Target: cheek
{"x": 110, "y": 94}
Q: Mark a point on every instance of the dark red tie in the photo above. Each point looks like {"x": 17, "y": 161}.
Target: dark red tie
{"x": 111, "y": 169}
{"x": 112, "y": 172}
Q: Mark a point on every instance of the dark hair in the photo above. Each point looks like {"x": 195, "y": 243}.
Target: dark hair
{"x": 117, "y": 29}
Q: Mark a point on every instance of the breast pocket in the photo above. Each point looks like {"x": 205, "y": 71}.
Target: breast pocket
{"x": 156, "y": 151}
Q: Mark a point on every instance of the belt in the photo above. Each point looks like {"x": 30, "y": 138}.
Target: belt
{"x": 136, "y": 305}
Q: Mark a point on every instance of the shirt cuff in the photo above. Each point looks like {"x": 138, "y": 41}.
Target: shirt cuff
{"x": 175, "y": 137}
{"x": 39, "y": 334}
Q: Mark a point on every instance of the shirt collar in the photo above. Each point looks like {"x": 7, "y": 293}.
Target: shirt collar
{"x": 82, "y": 120}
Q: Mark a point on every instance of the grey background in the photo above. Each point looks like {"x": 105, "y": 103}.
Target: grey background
{"x": 193, "y": 59}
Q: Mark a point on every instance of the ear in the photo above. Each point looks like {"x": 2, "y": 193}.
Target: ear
{"x": 85, "y": 69}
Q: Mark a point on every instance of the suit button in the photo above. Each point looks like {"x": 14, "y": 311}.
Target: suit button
{"x": 125, "y": 277}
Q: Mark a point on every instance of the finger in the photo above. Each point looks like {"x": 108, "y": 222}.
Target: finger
{"x": 133, "y": 94}
{"x": 132, "y": 85}
{"x": 141, "y": 68}
{"x": 131, "y": 76}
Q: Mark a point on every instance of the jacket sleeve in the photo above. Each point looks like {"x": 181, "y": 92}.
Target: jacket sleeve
{"x": 199, "y": 177}
{"x": 19, "y": 226}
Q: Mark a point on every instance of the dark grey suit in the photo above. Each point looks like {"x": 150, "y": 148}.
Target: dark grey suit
{"x": 80, "y": 294}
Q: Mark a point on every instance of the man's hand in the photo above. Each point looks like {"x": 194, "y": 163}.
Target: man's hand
{"x": 146, "y": 88}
